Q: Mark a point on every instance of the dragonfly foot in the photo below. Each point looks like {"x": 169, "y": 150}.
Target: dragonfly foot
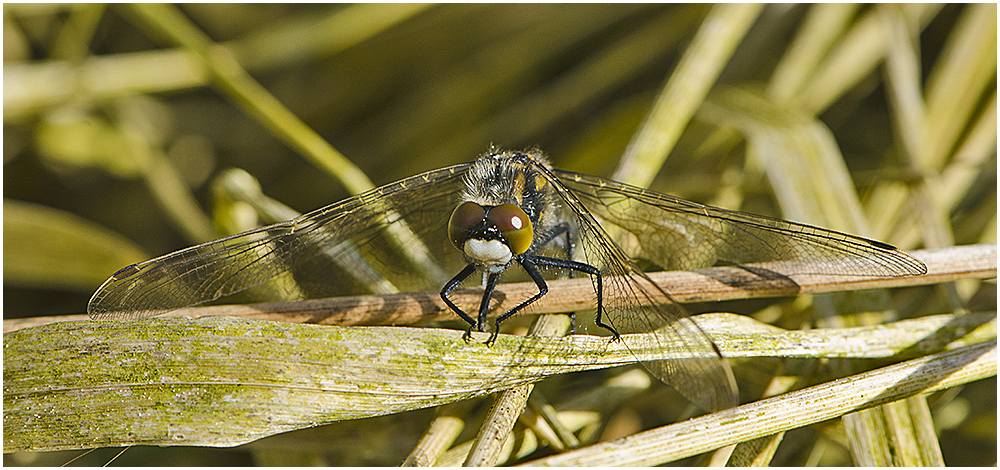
{"x": 468, "y": 335}
{"x": 493, "y": 338}
{"x": 614, "y": 333}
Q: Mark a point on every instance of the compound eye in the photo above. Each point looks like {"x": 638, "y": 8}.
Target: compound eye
{"x": 463, "y": 219}
{"x": 515, "y": 226}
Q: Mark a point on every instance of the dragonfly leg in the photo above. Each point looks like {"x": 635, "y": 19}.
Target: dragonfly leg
{"x": 570, "y": 244}
{"x": 561, "y": 229}
{"x": 484, "y": 308}
{"x": 449, "y": 288}
{"x": 543, "y": 288}
{"x": 584, "y": 268}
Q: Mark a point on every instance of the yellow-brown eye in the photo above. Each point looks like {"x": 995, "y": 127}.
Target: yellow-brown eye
{"x": 515, "y": 226}
{"x": 462, "y": 220}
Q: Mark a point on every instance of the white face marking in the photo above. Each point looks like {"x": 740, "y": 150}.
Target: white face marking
{"x": 487, "y": 253}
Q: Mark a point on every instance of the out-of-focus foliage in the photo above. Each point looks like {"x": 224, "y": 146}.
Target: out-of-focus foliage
{"x": 111, "y": 121}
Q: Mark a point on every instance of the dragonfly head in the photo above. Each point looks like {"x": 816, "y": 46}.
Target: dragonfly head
{"x": 490, "y": 237}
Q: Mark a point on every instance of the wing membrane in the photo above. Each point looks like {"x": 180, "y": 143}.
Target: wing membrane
{"x": 679, "y": 234}
{"x": 635, "y": 304}
{"x": 379, "y": 241}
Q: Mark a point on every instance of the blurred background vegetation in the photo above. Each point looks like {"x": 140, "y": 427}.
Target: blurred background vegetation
{"x": 118, "y": 121}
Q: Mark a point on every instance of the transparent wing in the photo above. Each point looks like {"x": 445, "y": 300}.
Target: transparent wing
{"x": 679, "y": 234}
{"x": 390, "y": 239}
{"x": 689, "y": 362}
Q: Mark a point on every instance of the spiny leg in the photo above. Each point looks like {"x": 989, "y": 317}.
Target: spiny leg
{"x": 543, "y": 288}
{"x": 449, "y": 288}
{"x": 530, "y": 264}
{"x": 584, "y": 268}
{"x": 484, "y": 308}
{"x": 561, "y": 229}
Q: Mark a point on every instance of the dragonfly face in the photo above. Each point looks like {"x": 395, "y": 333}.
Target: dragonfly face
{"x": 490, "y": 237}
{"x": 503, "y": 210}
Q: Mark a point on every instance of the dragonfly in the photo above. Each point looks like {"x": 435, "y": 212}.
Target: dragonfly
{"x": 507, "y": 215}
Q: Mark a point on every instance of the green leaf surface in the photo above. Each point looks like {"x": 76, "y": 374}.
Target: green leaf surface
{"x": 223, "y": 381}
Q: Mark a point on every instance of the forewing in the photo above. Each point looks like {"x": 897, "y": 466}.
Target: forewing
{"x": 679, "y": 234}
{"x": 390, "y": 239}
{"x": 683, "y": 355}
